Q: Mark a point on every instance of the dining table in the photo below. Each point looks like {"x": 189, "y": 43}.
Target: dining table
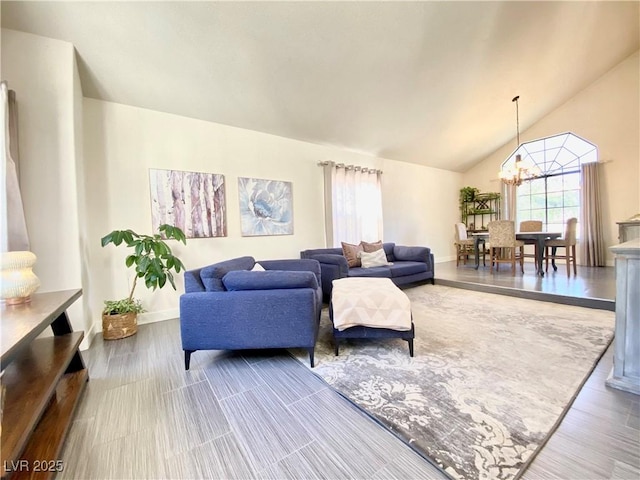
{"x": 539, "y": 237}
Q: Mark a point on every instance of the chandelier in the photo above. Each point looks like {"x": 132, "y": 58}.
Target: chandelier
{"x": 517, "y": 173}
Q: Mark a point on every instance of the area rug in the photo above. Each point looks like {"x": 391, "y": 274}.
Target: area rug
{"x": 491, "y": 378}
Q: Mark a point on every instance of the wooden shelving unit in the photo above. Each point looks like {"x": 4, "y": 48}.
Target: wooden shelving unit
{"x": 44, "y": 379}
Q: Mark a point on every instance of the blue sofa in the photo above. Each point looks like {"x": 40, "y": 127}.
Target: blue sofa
{"x": 226, "y": 306}
{"x": 410, "y": 265}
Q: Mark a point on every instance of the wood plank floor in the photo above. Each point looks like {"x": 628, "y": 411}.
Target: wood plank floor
{"x": 262, "y": 415}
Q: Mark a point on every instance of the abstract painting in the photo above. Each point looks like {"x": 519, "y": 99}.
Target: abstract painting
{"x": 265, "y": 207}
{"x": 192, "y": 201}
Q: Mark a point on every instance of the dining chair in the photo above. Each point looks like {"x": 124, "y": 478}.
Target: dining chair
{"x": 463, "y": 244}
{"x": 531, "y": 226}
{"x": 504, "y": 248}
{"x": 568, "y": 242}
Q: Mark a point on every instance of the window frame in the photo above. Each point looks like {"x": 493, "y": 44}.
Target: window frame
{"x": 552, "y": 157}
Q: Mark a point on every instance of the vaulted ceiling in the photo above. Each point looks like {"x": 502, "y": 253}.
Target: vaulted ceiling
{"x": 423, "y": 82}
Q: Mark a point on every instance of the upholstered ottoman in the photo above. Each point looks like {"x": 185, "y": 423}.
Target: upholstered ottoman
{"x": 363, "y": 307}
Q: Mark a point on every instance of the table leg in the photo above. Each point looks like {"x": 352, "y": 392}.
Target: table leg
{"x": 62, "y": 326}
{"x": 484, "y": 252}
{"x": 539, "y": 256}
{"x": 476, "y": 247}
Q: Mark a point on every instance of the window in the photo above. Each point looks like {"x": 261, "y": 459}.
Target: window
{"x": 554, "y": 196}
{"x": 353, "y": 204}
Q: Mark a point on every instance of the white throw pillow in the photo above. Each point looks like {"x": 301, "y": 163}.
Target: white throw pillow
{"x": 373, "y": 259}
{"x": 257, "y": 268}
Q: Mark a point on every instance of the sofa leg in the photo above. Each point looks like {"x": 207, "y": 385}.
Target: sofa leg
{"x": 433, "y": 281}
{"x": 311, "y": 357}
{"x": 187, "y": 358}
{"x": 410, "y": 340}
{"x": 336, "y": 347}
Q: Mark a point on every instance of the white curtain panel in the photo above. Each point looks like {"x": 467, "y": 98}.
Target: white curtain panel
{"x": 13, "y": 236}
{"x": 353, "y": 204}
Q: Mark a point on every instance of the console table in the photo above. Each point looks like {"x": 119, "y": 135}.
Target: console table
{"x": 43, "y": 380}
{"x": 626, "y": 358}
{"x": 628, "y": 230}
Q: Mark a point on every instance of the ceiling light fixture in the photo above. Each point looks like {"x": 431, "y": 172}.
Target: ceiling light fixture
{"x": 516, "y": 174}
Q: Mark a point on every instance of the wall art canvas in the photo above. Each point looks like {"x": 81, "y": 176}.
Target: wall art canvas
{"x": 266, "y": 207}
{"x": 192, "y": 201}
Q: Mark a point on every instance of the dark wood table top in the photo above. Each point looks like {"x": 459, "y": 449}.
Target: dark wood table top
{"x": 524, "y": 234}
{"x": 21, "y": 324}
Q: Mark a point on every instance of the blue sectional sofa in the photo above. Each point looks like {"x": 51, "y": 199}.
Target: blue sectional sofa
{"x": 409, "y": 265}
{"x": 226, "y": 306}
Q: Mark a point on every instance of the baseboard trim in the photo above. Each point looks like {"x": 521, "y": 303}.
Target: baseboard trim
{"x": 143, "y": 319}
{"x": 160, "y": 316}
{"x": 88, "y": 338}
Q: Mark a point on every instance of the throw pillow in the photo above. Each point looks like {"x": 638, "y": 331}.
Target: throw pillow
{"x": 351, "y": 253}
{"x": 371, "y": 247}
{"x": 373, "y": 259}
{"x": 257, "y": 268}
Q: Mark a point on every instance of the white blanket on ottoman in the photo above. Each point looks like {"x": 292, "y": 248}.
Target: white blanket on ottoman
{"x": 369, "y": 302}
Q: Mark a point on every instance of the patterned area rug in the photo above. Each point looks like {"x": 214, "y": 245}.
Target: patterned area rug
{"x": 490, "y": 380}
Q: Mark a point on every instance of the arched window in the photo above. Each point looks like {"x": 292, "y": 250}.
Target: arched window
{"x": 554, "y": 195}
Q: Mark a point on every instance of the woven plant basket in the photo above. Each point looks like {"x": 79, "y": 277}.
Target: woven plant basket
{"x": 115, "y": 327}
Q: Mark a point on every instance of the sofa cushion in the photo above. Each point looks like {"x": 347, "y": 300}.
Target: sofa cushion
{"x": 320, "y": 251}
{"x": 211, "y": 276}
{"x": 297, "y": 265}
{"x": 371, "y": 247}
{"x": 331, "y": 259}
{"x": 412, "y": 254}
{"x": 192, "y": 281}
{"x": 351, "y": 253}
{"x": 382, "y": 272}
{"x": 401, "y": 269}
{"x": 269, "y": 280}
{"x": 388, "y": 249}
{"x": 376, "y": 258}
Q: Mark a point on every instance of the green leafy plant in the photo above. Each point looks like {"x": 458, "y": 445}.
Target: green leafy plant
{"x": 153, "y": 261}
{"x": 118, "y": 307}
{"x": 467, "y": 194}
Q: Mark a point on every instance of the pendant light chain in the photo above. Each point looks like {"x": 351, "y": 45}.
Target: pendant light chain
{"x": 515, "y": 99}
{"x": 516, "y": 174}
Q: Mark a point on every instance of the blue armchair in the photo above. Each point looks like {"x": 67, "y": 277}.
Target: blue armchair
{"x": 226, "y": 306}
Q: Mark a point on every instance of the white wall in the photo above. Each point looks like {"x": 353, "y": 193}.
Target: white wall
{"x": 42, "y": 72}
{"x": 420, "y": 206}
{"x": 607, "y": 113}
{"x": 84, "y": 166}
{"x": 122, "y": 143}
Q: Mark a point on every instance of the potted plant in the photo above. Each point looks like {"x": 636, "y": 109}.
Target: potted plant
{"x": 467, "y": 194}
{"x": 154, "y": 262}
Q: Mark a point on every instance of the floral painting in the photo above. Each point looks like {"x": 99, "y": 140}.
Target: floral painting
{"x": 266, "y": 207}
{"x": 192, "y": 201}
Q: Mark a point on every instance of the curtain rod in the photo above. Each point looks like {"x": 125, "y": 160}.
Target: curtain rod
{"x": 350, "y": 167}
